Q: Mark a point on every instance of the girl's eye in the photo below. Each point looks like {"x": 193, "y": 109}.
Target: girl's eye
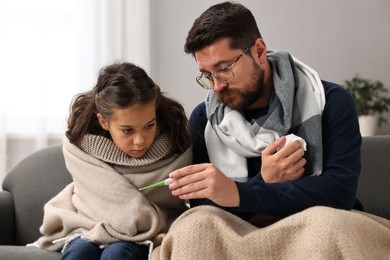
{"x": 127, "y": 131}
{"x": 149, "y": 126}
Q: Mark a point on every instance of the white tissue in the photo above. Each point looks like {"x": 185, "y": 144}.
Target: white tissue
{"x": 291, "y": 138}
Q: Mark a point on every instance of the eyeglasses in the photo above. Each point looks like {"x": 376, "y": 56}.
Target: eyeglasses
{"x": 223, "y": 74}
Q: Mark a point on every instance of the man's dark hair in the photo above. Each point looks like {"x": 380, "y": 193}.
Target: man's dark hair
{"x": 225, "y": 20}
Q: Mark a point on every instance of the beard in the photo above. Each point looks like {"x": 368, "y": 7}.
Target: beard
{"x": 252, "y": 90}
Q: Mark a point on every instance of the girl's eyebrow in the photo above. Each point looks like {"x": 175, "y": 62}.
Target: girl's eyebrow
{"x": 129, "y": 126}
{"x": 151, "y": 121}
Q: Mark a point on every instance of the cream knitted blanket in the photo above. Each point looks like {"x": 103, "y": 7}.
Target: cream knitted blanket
{"x": 104, "y": 205}
{"x": 207, "y": 232}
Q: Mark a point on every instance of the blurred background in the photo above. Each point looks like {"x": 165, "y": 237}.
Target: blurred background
{"x": 51, "y": 50}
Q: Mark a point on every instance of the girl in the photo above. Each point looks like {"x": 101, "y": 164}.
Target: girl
{"x": 122, "y": 135}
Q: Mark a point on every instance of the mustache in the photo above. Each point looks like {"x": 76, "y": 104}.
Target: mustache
{"x": 227, "y": 92}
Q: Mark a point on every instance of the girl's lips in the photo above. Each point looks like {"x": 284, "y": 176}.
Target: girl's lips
{"x": 137, "y": 151}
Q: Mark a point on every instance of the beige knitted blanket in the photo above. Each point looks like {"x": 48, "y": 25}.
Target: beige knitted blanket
{"x": 104, "y": 205}
{"x": 207, "y": 232}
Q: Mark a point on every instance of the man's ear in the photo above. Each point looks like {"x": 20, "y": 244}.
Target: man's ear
{"x": 103, "y": 123}
{"x": 261, "y": 50}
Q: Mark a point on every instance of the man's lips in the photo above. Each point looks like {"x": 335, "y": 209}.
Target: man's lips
{"x": 226, "y": 96}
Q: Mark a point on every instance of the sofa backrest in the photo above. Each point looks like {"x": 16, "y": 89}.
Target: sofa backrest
{"x": 33, "y": 182}
{"x": 40, "y": 176}
{"x": 374, "y": 181}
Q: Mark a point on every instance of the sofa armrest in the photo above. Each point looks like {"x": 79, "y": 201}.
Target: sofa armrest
{"x": 7, "y": 218}
{"x": 374, "y": 180}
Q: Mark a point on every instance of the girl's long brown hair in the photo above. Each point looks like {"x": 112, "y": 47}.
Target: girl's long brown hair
{"x": 119, "y": 86}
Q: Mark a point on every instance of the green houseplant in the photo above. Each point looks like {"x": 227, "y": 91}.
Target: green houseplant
{"x": 370, "y": 97}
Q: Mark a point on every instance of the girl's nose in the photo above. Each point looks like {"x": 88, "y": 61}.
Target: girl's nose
{"x": 139, "y": 139}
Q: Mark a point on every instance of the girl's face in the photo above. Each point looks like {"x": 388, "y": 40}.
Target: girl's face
{"x": 132, "y": 129}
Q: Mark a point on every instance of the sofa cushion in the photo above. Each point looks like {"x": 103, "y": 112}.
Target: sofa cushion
{"x": 27, "y": 253}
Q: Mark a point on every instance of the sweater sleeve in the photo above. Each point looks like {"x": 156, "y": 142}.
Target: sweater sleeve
{"x": 335, "y": 187}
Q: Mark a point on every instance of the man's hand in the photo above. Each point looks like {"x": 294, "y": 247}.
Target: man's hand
{"x": 200, "y": 181}
{"x": 283, "y": 165}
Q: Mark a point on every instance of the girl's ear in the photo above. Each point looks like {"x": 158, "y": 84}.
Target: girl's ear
{"x": 103, "y": 123}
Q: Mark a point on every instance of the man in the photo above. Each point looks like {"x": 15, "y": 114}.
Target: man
{"x": 247, "y": 163}
{"x": 257, "y": 97}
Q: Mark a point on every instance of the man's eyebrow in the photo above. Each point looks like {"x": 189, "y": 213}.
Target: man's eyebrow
{"x": 216, "y": 65}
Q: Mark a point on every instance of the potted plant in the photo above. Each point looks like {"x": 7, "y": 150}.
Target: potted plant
{"x": 371, "y": 102}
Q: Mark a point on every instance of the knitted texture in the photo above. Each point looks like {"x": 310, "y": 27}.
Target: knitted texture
{"x": 207, "y": 232}
{"x": 295, "y": 108}
{"x": 105, "y": 149}
{"x": 103, "y": 202}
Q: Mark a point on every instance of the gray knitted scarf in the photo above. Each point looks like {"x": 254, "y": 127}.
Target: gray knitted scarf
{"x": 296, "y": 107}
{"x": 105, "y": 149}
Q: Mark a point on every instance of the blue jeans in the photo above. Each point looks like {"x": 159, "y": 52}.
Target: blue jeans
{"x": 86, "y": 250}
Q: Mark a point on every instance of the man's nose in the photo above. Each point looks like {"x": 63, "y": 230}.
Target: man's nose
{"x": 218, "y": 85}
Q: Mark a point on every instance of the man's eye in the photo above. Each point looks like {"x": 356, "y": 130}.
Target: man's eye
{"x": 208, "y": 76}
{"x": 224, "y": 69}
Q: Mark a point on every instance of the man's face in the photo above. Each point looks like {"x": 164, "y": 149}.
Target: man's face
{"x": 247, "y": 85}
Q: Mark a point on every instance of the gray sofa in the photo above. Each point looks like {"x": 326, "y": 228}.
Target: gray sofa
{"x": 40, "y": 176}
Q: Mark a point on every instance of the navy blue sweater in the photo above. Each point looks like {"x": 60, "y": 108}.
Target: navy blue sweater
{"x": 335, "y": 187}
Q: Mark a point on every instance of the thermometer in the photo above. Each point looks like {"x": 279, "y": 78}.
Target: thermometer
{"x": 160, "y": 183}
